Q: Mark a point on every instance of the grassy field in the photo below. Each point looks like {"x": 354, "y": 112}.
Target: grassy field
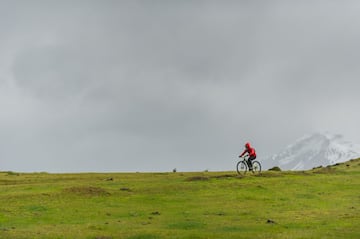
{"x": 320, "y": 203}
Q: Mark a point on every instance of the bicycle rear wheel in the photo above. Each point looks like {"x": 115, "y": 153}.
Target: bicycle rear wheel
{"x": 241, "y": 167}
{"x": 256, "y": 167}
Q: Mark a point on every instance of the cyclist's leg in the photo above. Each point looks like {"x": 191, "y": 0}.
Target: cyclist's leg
{"x": 250, "y": 159}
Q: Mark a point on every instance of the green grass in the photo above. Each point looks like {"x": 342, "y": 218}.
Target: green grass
{"x": 320, "y": 203}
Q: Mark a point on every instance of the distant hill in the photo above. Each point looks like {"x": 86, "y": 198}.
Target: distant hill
{"x": 319, "y": 149}
{"x": 352, "y": 165}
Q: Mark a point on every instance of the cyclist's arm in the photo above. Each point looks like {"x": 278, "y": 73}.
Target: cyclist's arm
{"x": 245, "y": 151}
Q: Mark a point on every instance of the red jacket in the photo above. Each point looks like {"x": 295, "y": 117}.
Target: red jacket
{"x": 249, "y": 150}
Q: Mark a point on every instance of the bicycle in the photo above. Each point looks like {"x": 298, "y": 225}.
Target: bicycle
{"x": 243, "y": 166}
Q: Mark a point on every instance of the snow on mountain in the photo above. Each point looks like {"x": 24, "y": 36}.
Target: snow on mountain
{"x": 319, "y": 149}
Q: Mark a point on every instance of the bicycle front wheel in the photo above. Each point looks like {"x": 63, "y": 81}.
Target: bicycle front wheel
{"x": 241, "y": 167}
{"x": 256, "y": 167}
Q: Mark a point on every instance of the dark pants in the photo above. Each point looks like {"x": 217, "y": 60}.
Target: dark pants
{"x": 251, "y": 158}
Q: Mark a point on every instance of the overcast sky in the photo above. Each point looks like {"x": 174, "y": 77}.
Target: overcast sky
{"x": 155, "y": 85}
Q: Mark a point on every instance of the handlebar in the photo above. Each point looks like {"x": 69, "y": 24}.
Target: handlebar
{"x": 244, "y": 157}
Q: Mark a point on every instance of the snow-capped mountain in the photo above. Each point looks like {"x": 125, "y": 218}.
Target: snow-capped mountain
{"x": 315, "y": 150}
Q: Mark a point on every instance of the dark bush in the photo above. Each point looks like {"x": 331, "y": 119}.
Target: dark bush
{"x": 276, "y": 168}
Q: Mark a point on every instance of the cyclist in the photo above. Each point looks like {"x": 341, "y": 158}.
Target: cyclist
{"x": 251, "y": 152}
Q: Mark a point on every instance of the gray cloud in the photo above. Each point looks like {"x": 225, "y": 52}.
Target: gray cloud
{"x": 132, "y": 86}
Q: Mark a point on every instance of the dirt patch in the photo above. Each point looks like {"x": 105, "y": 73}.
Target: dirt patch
{"x": 269, "y": 221}
{"x": 197, "y": 178}
{"x": 126, "y": 189}
{"x": 225, "y": 176}
{"x": 87, "y": 191}
{"x": 269, "y": 175}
